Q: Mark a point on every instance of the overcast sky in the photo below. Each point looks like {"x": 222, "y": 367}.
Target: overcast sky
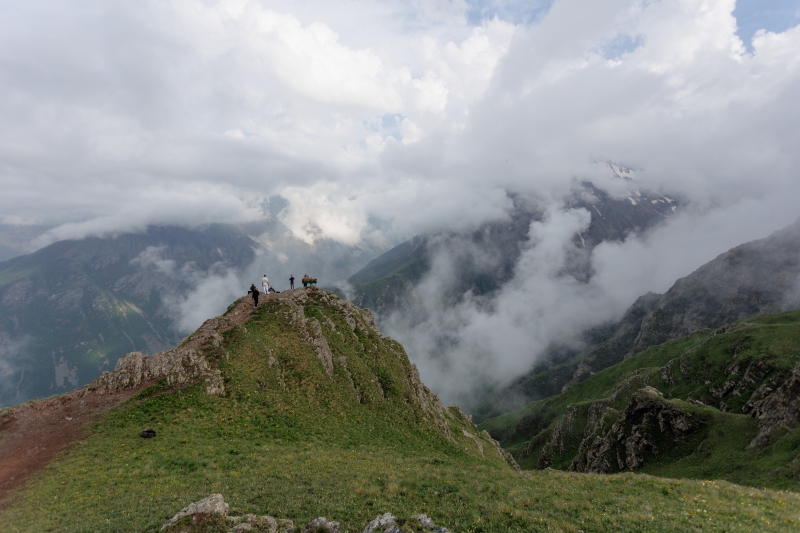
{"x": 378, "y": 120}
{"x": 382, "y": 119}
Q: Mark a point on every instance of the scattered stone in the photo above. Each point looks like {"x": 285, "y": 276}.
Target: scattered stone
{"x": 215, "y": 508}
{"x": 213, "y": 505}
{"x": 149, "y": 433}
{"x": 321, "y": 524}
{"x": 424, "y": 521}
{"x": 381, "y": 522}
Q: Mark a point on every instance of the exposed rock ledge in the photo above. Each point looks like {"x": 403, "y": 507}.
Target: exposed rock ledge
{"x": 182, "y": 365}
{"x": 779, "y": 410}
{"x": 195, "y": 517}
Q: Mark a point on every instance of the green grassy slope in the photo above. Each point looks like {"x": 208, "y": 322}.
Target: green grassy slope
{"x": 290, "y": 440}
{"x": 714, "y": 377}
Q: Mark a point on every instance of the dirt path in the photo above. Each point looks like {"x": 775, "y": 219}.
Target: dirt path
{"x": 34, "y": 433}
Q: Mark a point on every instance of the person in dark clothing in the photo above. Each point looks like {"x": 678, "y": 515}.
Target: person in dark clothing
{"x": 291, "y": 281}
{"x": 254, "y": 292}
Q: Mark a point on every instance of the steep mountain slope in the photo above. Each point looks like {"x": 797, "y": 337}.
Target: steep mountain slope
{"x": 15, "y": 240}
{"x": 721, "y": 403}
{"x": 302, "y": 409}
{"x": 485, "y": 259}
{"x": 69, "y": 310}
{"x": 758, "y": 277}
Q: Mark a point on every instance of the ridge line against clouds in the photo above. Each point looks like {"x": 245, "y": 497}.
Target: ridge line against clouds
{"x": 376, "y": 121}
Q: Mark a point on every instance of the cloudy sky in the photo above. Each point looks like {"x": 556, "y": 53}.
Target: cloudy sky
{"x": 382, "y": 119}
{"x": 378, "y": 120}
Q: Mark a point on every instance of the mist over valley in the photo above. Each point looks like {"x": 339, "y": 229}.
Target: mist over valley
{"x": 556, "y": 245}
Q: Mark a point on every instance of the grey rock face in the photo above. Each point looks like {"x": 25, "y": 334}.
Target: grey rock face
{"x": 556, "y": 444}
{"x": 648, "y": 420}
{"x": 781, "y": 409}
{"x": 179, "y": 366}
{"x": 613, "y": 440}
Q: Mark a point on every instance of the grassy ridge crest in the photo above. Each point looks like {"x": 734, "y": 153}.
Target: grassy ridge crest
{"x": 291, "y": 439}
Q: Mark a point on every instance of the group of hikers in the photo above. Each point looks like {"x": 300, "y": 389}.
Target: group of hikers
{"x": 266, "y": 288}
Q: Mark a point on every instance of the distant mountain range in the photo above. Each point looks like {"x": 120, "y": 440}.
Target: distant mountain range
{"x": 483, "y": 261}
{"x": 755, "y": 278}
{"x": 70, "y": 310}
{"x": 388, "y": 284}
{"x": 719, "y": 404}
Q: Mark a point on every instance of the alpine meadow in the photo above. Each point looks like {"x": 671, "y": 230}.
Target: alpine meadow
{"x": 380, "y": 266}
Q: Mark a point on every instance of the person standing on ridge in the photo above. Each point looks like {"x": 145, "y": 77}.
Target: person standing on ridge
{"x": 265, "y": 284}
{"x": 291, "y": 281}
{"x": 254, "y": 293}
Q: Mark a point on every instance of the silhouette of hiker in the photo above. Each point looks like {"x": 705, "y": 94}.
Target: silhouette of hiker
{"x": 254, "y": 292}
{"x": 291, "y": 281}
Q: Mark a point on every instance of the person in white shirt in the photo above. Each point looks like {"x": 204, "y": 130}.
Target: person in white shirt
{"x": 265, "y": 284}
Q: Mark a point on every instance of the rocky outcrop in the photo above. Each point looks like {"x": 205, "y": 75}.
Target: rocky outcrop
{"x": 635, "y": 435}
{"x": 213, "y": 505}
{"x": 195, "y": 517}
{"x": 310, "y": 328}
{"x": 648, "y": 421}
{"x": 177, "y": 367}
{"x": 781, "y": 409}
{"x": 388, "y": 523}
{"x": 182, "y": 365}
{"x": 559, "y": 438}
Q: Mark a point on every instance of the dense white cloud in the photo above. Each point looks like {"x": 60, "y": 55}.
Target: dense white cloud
{"x": 379, "y": 120}
{"x": 106, "y": 99}
{"x": 265, "y": 98}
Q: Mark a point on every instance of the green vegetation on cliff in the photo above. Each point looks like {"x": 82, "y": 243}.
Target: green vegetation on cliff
{"x": 714, "y": 405}
{"x": 322, "y": 416}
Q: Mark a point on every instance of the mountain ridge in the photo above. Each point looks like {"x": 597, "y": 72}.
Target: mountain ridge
{"x": 70, "y": 309}
{"x": 753, "y": 278}
{"x": 719, "y": 403}
{"x": 300, "y": 431}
